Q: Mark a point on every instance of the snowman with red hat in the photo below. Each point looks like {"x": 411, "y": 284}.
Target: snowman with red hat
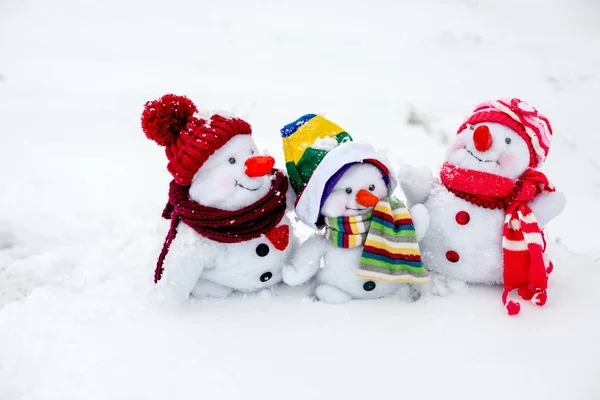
{"x": 227, "y": 205}
{"x": 490, "y": 203}
{"x": 369, "y": 247}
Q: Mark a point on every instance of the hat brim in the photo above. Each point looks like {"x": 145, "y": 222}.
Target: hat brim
{"x": 309, "y": 202}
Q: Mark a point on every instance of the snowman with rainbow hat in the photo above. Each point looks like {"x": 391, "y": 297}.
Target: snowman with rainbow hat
{"x": 369, "y": 247}
{"x": 490, "y": 202}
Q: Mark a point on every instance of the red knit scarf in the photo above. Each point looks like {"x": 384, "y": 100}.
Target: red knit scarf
{"x": 223, "y": 226}
{"x": 526, "y": 266}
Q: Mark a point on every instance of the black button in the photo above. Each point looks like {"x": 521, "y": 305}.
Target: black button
{"x": 266, "y": 276}
{"x": 368, "y": 286}
{"x": 262, "y": 250}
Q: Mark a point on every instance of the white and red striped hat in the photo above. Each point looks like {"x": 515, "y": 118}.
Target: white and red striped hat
{"x": 522, "y": 118}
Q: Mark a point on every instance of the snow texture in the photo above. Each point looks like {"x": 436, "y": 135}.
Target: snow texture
{"x": 83, "y": 190}
{"x": 326, "y": 143}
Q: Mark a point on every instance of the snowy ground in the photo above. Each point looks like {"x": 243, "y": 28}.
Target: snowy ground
{"x": 82, "y": 192}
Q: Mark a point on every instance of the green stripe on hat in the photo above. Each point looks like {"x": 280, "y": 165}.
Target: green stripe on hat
{"x": 294, "y": 176}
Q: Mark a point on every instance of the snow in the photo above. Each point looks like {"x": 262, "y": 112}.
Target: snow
{"x": 83, "y": 191}
{"x": 326, "y": 143}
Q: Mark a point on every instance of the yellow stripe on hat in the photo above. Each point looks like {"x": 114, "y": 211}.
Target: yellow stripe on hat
{"x": 409, "y": 248}
{"x": 315, "y": 128}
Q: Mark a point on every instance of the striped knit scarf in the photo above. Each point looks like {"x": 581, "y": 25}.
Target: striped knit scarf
{"x": 391, "y": 252}
{"x": 526, "y": 266}
{"x": 348, "y": 232}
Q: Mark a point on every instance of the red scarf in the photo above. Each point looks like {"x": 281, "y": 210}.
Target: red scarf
{"x": 526, "y": 266}
{"x": 222, "y": 226}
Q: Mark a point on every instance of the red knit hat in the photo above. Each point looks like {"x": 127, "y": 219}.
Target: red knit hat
{"x": 189, "y": 141}
{"x": 522, "y": 118}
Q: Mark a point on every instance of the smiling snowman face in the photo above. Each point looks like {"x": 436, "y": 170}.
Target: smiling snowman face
{"x": 356, "y": 193}
{"x": 233, "y": 177}
{"x": 490, "y": 147}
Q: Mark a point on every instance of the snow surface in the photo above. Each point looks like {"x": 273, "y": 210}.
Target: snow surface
{"x": 83, "y": 190}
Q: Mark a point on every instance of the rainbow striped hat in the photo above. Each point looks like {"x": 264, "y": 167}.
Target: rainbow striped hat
{"x": 315, "y": 150}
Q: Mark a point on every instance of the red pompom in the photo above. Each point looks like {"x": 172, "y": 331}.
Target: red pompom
{"x": 163, "y": 119}
{"x": 540, "y": 298}
{"x": 512, "y": 307}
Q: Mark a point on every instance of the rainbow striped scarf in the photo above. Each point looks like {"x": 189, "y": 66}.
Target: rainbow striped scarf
{"x": 390, "y": 249}
{"x": 348, "y": 232}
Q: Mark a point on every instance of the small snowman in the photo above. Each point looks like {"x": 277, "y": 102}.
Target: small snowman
{"x": 490, "y": 204}
{"x": 227, "y": 205}
{"x": 369, "y": 248}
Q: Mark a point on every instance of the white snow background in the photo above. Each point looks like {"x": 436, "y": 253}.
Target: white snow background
{"x": 82, "y": 190}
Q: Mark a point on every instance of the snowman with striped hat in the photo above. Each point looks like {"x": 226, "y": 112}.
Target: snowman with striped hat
{"x": 490, "y": 203}
{"x": 369, "y": 247}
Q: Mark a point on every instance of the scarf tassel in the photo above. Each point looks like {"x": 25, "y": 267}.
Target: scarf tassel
{"x": 530, "y": 292}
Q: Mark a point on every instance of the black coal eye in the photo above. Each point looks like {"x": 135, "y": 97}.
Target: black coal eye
{"x": 232, "y": 160}
{"x": 348, "y": 190}
{"x": 266, "y": 276}
{"x": 507, "y": 140}
{"x": 251, "y": 152}
{"x": 372, "y": 187}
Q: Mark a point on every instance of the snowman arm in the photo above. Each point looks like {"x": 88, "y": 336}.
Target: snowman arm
{"x": 420, "y": 218}
{"x": 187, "y": 257}
{"x": 547, "y": 206}
{"x": 416, "y": 183}
{"x": 306, "y": 261}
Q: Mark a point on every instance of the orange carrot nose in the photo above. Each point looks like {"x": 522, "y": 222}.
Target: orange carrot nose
{"x": 259, "y": 166}
{"x": 366, "y": 199}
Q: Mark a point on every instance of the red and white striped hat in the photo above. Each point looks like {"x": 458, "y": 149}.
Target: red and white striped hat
{"x": 522, "y": 118}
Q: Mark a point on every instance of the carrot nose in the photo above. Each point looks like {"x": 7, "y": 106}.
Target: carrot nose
{"x": 259, "y": 166}
{"x": 482, "y": 138}
{"x": 366, "y": 199}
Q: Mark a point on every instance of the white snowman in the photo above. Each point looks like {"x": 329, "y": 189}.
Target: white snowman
{"x": 370, "y": 245}
{"x": 489, "y": 205}
{"x": 226, "y": 204}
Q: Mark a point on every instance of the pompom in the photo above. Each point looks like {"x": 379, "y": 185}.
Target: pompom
{"x": 163, "y": 119}
{"x": 540, "y": 298}
{"x": 512, "y": 307}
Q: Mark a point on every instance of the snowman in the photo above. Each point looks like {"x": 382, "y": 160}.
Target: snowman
{"x": 370, "y": 245}
{"x": 490, "y": 204}
{"x": 227, "y": 205}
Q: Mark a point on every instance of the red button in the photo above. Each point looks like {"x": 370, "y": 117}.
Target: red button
{"x": 462, "y": 217}
{"x": 452, "y": 256}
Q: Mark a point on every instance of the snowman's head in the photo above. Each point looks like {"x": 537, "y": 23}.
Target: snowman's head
{"x": 233, "y": 177}
{"x": 356, "y": 192}
{"x": 490, "y": 147}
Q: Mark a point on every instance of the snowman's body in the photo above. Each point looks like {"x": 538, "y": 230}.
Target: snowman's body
{"x": 246, "y": 266}
{"x": 356, "y": 192}
{"x": 463, "y": 240}
{"x": 339, "y": 271}
{"x": 203, "y": 267}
